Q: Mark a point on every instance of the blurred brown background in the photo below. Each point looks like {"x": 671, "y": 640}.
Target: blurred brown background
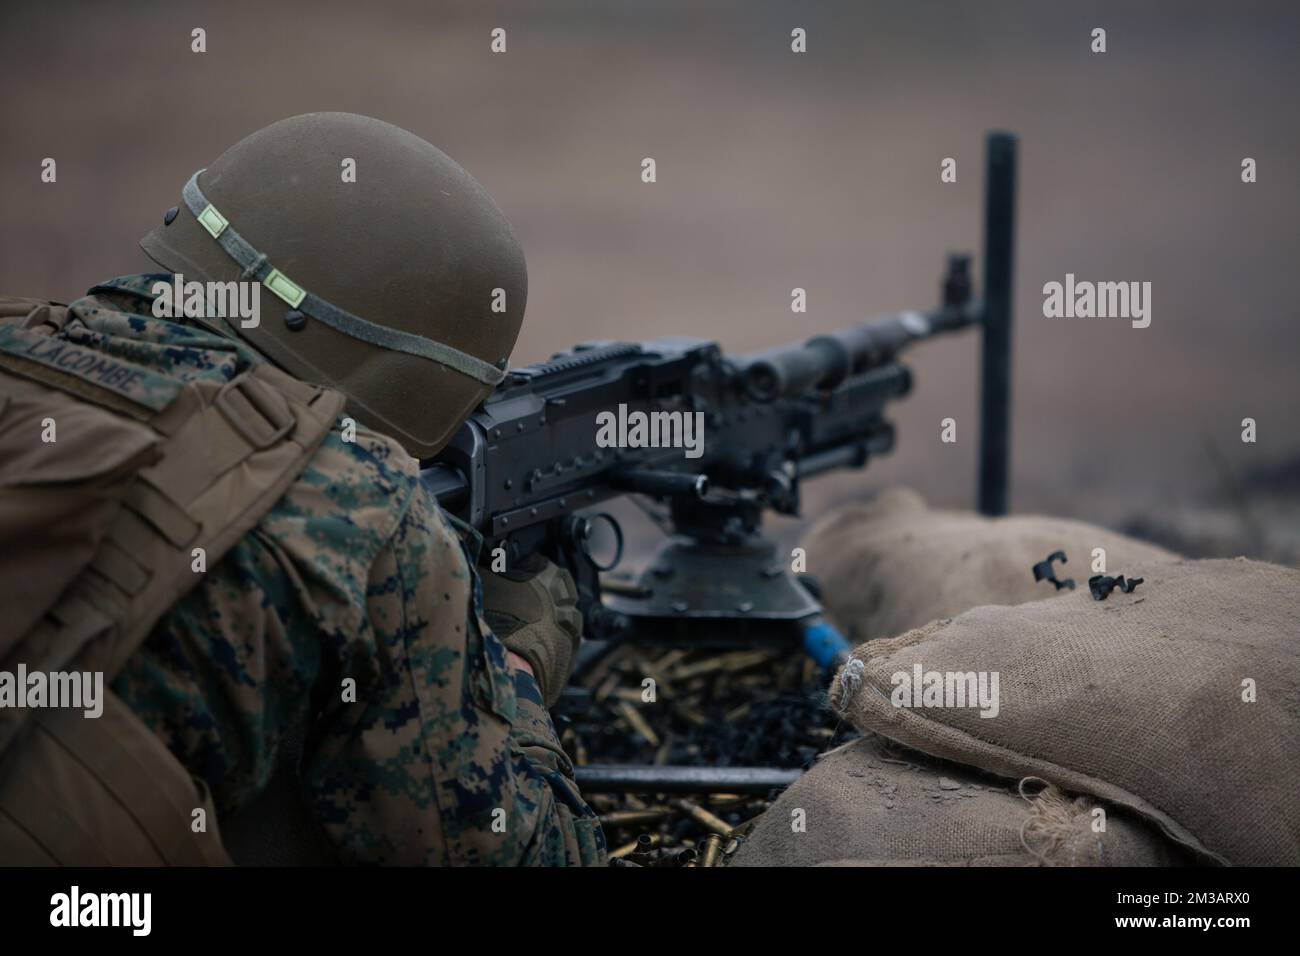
{"x": 779, "y": 170}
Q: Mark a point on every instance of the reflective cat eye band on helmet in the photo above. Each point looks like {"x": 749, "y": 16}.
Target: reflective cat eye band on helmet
{"x": 256, "y": 266}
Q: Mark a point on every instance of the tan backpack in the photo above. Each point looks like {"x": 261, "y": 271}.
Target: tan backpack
{"x": 98, "y": 531}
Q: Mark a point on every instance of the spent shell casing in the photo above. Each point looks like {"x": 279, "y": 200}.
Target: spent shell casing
{"x": 630, "y": 694}
{"x": 736, "y": 713}
{"x": 671, "y": 658}
{"x": 599, "y": 673}
{"x": 688, "y": 672}
{"x": 607, "y": 687}
{"x": 689, "y": 713}
{"x": 625, "y": 818}
{"x": 627, "y": 849}
{"x": 663, "y": 685}
{"x": 727, "y": 799}
{"x": 743, "y": 660}
{"x": 704, "y": 818}
{"x": 710, "y": 850}
{"x": 643, "y": 848}
{"x": 638, "y": 723}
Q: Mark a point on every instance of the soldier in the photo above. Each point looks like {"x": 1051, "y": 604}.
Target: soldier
{"x": 255, "y": 567}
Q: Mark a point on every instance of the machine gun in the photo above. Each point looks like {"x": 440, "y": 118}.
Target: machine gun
{"x": 526, "y": 469}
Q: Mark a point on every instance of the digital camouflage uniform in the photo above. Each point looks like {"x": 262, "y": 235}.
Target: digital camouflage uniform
{"x": 447, "y": 755}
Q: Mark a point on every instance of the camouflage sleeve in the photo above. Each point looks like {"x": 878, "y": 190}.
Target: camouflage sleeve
{"x": 234, "y": 671}
{"x": 444, "y": 754}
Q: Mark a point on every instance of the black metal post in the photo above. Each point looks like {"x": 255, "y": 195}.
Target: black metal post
{"x": 995, "y": 372}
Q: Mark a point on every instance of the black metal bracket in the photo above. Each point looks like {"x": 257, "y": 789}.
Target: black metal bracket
{"x": 1101, "y": 585}
{"x": 995, "y": 366}
{"x": 1043, "y": 571}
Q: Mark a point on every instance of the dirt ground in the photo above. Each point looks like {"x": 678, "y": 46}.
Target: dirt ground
{"x": 778, "y": 170}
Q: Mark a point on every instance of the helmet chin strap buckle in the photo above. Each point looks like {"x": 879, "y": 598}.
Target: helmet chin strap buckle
{"x": 251, "y": 270}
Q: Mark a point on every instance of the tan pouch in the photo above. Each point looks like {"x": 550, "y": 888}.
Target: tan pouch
{"x": 82, "y": 792}
{"x": 59, "y": 496}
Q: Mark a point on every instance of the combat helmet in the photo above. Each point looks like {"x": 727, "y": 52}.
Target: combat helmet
{"x": 395, "y": 277}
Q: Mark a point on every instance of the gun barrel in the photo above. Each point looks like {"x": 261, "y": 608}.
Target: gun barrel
{"x": 826, "y": 360}
{"x": 648, "y": 481}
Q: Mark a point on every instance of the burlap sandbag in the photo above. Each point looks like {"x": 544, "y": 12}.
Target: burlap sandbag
{"x": 892, "y": 564}
{"x": 870, "y": 803}
{"x": 1141, "y": 700}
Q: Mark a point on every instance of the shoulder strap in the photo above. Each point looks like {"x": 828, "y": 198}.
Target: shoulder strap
{"x": 225, "y": 455}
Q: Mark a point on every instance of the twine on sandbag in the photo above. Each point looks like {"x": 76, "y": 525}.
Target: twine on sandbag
{"x": 849, "y": 679}
{"x": 863, "y": 805}
{"x": 1053, "y": 816}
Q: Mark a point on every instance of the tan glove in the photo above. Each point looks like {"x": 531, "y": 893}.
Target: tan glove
{"x": 533, "y": 609}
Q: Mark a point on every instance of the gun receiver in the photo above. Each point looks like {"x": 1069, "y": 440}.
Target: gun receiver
{"x": 527, "y": 461}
